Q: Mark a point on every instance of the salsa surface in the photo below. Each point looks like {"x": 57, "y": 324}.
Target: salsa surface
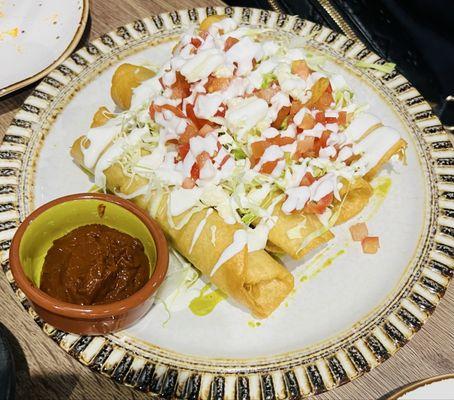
{"x": 94, "y": 264}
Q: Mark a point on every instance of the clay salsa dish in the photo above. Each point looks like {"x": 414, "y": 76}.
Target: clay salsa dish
{"x": 53, "y": 220}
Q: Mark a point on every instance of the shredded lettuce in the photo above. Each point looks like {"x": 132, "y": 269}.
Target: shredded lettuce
{"x": 343, "y": 97}
{"x": 239, "y": 154}
{"x": 315, "y": 61}
{"x": 386, "y": 67}
{"x": 249, "y": 217}
{"x": 268, "y": 79}
{"x": 96, "y": 189}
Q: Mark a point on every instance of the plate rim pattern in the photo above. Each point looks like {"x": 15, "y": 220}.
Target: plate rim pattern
{"x": 286, "y": 379}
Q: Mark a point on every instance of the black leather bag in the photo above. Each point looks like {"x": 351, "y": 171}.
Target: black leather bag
{"x": 417, "y": 35}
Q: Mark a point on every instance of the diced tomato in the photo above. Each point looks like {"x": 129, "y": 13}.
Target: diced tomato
{"x": 205, "y": 130}
{"x": 155, "y": 108}
{"x": 152, "y": 111}
{"x": 359, "y": 231}
{"x": 304, "y": 147}
{"x": 224, "y": 160}
{"x": 268, "y": 167}
{"x": 320, "y": 117}
{"x": 342, "y": 118}
{"x": 307, "y": 180}
{"x": 183, "y": 149}
{"x": 300, "y": 68}
{"x": 188, "y": 183}
{"x": 324, "y": 138}
{"x": 180, "y": 88}
{"x": 281, "y": 115}
{"x": 281, "y": 140}
{"x": 172, "y": 141}
{"x": 196, "y": 42}
{"x": 370, "y": 244}
{"x": 295, "y": 107}
{"x": 230, "y": 41}
{"x": 258, "y": 148}
{"x": 308, "y": 122}
{"x": 195, "y": 172}
{"x": 198, "y": 122}
{"x": 189, "y": 132}
{"x": 202, "y": 158}
{"x": 221, "y": 111}
{"x": 266, "y": 94}
{"x": 320, "y": 206}
{"x": 214, "y": 84}
{"x": 330, "y": 120}
{"x": 324, "y": 101}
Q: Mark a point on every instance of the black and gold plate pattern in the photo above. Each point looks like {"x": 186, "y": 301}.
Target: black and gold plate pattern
{"x": 293, "y": 375}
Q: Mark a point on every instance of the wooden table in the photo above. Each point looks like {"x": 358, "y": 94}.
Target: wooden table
{"x": 44, "y": 371}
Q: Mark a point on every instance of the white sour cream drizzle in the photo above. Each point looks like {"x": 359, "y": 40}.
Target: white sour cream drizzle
{"x": 199, "y": 229}
{"x": 114, "y": 152}
{"x": 240, "y": 240}
{"x": 363, "y": 124}
{"x": 100, "y": 137}
{"x": 375, "y": 145}
{"x": 182, "y": 200}
{"x": 213, "y": 235}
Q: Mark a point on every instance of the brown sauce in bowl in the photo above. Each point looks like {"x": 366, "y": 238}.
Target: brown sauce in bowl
{"x": 94, "y": 264}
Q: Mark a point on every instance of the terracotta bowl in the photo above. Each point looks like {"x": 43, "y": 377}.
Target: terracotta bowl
{"x": 36, "y": 234}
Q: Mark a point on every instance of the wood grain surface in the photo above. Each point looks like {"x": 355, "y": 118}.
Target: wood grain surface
{"x": 44, "y": 371}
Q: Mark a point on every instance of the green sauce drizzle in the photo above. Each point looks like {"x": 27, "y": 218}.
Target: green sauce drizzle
{"x": 205, "y": 302}
{"x": 319, "y": 268}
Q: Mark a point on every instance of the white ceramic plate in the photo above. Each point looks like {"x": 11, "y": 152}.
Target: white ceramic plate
{"x": 35, "y": 36}
{"x": 349, "y": 312}
{"x": 435, "y": 388}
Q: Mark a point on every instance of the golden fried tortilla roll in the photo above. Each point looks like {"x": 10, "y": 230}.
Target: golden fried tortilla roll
{"x": 297, "y": 234}
{"x": 87, "y": 149}
{"x": 354, "y": 197}
{"x": 126, "y": 78}
{"x": 101, "y": 116}
{"x": 254, "y": 279}
{"x": 377, "y": 148}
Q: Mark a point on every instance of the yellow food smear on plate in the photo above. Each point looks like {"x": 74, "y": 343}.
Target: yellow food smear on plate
{"x": 14, "y": 32}
{"x": 254, "y": 324}
{"x": 381, "y": 190}
{"x": 330, "y": 260}
{"x": 205, "y": 302}
{"x": 316, "y": 265}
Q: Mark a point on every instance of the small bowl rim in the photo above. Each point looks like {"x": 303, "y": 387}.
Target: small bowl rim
{"x": 89, "y": 312}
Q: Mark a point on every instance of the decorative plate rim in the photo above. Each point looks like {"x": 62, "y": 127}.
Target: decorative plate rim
{"x": 187, "y": 377}
{"x": 66, "y": 52}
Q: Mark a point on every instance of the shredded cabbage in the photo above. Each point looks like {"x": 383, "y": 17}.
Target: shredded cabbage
{"x": 268, "y": 79}
{"x": 386, "y": 67}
